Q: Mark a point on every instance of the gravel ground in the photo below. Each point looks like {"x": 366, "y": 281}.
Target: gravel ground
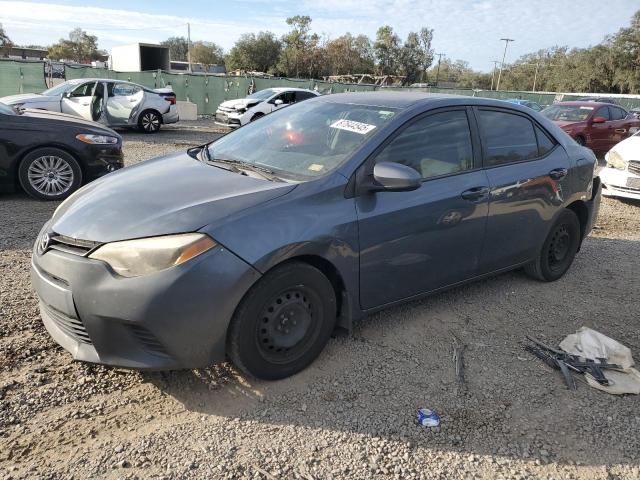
{"x": 351, "y": 414}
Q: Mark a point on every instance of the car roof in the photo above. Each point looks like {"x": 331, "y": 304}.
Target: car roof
{"x": 290, "y": 89}
{"x": 585, "y": 104}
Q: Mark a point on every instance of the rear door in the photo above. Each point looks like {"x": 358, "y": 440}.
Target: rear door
{"x": 621, "y": 124}
{"x": 527, "y": 172}
{"x": 122, "y": 100}
{"x": 415, "y": 242}
{"x": 79, "y": 101}
{"x": 602, "y": 133}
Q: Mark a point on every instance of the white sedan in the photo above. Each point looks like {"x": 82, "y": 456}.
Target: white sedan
{"x": 621, "y": 176}
{"x": 235, "y": 113}
{"x": 114, "y": 103}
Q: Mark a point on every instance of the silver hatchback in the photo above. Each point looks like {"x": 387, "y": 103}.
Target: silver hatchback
{"x": 114, "y": 103}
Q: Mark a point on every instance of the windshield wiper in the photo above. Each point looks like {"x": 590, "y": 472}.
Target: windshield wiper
{"x": 239, "y": 165}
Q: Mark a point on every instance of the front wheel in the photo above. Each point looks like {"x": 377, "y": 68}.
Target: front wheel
{"x": 580, "y": 141}
{"x": 49, "y": 174}
{"x": 559, "y": 249}
{"x": 283, "y": 323}
{"x": 149, "y": 121}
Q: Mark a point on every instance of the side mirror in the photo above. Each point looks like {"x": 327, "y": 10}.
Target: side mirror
{"x": 395, "y": 177}
{"x": 598, "y": 120}
{"x": 278, "y": 102}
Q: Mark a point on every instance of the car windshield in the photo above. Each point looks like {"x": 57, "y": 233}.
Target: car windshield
{"x": 303, "y": 141}
{"x": 262, "y": 94}
{"x": 6, "y": 110}
{"x": 567, "y": 113}
{"x": 58, "y": 89}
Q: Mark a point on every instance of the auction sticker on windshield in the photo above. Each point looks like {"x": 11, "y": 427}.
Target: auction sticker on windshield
{"x": 352, "y": 126}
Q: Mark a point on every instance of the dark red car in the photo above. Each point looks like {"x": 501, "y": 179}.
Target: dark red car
{"x": 598, "y": 126}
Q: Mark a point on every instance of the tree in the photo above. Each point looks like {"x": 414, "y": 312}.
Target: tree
{"x": 349, "y": 55}
{"x": 80, "y": 47}
{"x": 295, "y": 45}
{"x": 387, "y": 50}
{"x": 625, "y": 46}
{"x": 207, "y": 53}
{"x": 5, "y": 41}
{"x": 254, "y": 53}
{"x": 178, "y": 48}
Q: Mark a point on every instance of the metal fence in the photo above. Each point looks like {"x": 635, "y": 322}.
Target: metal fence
{"x": 208, "y": 91}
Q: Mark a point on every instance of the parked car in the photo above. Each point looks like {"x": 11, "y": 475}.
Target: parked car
{"x": 610, "y": 100}
{"x": 621, "y": 175}
{"x": 525, "y": 103}
{"x": 51, "y": 154}
{"x": 598, "y": 126}
{"x": 114, "y": 103}
{"x": 257, "y": 246}
{"x": 235, "y": 113}
{"x": 635, "y": 112}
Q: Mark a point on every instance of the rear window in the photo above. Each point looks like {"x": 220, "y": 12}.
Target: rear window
{"x": 507, "y": 137}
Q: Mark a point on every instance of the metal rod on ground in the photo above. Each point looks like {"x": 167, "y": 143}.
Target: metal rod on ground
{"x": 493, "y": 73}
{"x": 440, "y": 55}
{"x": 504, "y": 55}
{"x": 458, "y": 360}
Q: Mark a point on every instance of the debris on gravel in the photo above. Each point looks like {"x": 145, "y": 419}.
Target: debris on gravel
{"x": 352, "y": 414}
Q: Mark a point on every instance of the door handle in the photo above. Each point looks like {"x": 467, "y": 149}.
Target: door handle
{"x": 475, "y": 194}
{"x": 621, "y": 130}
{"x": 558, "y": 173}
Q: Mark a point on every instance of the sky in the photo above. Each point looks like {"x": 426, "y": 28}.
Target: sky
{"x": 463, "y": 29}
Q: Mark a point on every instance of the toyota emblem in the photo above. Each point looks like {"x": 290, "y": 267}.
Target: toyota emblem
{"x": 43, "y": 243}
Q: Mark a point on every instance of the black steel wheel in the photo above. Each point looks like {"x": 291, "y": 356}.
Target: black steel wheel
{"x": 149, "y": 121}
{"x": 283, "y": 323}
{"x": 559, "y": 249}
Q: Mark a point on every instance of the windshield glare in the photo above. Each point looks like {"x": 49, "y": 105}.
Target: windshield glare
{"x": 567, "y": 113}
{"x": 262, "y": 94}
{"x": 57, "y": 90}
{"x": 305, "y": 140}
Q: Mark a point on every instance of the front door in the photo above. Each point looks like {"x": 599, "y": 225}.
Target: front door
{"x": 79, "y": 101}
{"x": 415, "y": 242}
{"x": 601, "y": 133}
{"x": 528, "y": 174}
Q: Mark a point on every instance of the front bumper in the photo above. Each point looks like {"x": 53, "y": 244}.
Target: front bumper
{"x": 102, "y": 159}
{"x": 176, "y": 318}
{"x": 230, "y": 119}
{"x": 620, "y": 183}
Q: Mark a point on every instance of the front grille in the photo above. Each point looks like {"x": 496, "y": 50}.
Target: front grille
{"x": 148, "y": 340}
{"x": 71, "y": 326}
{"x": 71, "y": 245}
{"x": 634, "y": 167}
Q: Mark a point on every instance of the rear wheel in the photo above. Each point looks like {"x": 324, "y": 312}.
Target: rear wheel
{"x": 49, "y": 174}
{"x": 559, "y": 249}
{"x": 149, "y": 121}
{"x": 283, "y": 323}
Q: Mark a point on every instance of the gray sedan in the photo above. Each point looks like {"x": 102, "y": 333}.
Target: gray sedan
{"x": 114, "y": 103}
{"x": 259, "y": 245}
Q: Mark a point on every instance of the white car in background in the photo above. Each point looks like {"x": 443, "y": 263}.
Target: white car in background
{"x": 621, "y": 176}
{"x": 235, "y": 113}
{"x": 114, "y": 103}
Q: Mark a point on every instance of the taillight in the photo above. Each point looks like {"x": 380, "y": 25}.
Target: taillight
{"x": 171, "y": 100}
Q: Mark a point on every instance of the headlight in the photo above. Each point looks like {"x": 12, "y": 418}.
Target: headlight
{"x": 97, "y": 139}
{"x": 615, "y": 160}
{"x": 132, "y": 258}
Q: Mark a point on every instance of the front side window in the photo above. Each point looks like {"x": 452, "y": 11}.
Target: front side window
{"x": 568, "y": 113}
{"x": 84, "y": 90}
{"x": 287, "y": 98}
{"x": 300, "y": 96}
{"x": 304, "y": 141}
{"x": 435, "y": 145}
{"x": 617, "y": 113}
{"x": 603, "y": 112}
{"x": 506, "y": 137}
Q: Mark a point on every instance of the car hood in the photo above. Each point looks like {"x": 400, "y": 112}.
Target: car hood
{"x": 240, "y": 102}
{"x": 629, "y": 149}
{"x": 46, "y": 115}
{"x": 172, "y": 194}
{"x": 25, "y": 98}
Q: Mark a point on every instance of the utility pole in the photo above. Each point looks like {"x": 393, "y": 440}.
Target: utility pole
{"x": 189, "y": 45}
{"x": 440, "y": 55}
{"x": 493, "y": 73}
{"x": 504, "y": 55}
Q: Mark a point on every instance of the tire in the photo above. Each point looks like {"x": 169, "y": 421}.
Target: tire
{"x": 283, "y": 322}
{"x": 49, "y": 174}
{"x": 257, "y": 116}
{"x": 150, "y": 121}
{"x": 558, "y": 250}
{"x": 580, "y": 141}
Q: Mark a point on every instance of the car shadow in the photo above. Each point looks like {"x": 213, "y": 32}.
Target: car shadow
{"x": 401, "y": 359}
